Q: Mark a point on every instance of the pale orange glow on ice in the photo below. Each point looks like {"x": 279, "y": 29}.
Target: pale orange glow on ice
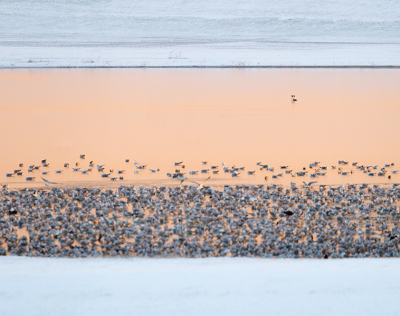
{"x": 158, "y": 116}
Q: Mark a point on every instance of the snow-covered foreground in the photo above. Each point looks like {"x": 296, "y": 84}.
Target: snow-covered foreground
{"x": 218, "y": 286}
{"x": 198, "y": 33}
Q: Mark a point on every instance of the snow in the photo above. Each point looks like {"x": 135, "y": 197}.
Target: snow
{"x": 213, "y": 286}
{"x": 119, "y": 33}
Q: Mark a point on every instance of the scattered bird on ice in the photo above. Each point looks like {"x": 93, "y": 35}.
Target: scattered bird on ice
{"x": 47, "y": 182}
{"x": 200, "y": 185}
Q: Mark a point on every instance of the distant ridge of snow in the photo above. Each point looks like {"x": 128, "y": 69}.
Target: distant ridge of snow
{"x": 235, "y": 33}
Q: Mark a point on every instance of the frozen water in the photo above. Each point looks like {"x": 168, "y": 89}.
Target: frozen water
{"x": 213, "y": 286}
{"x": 44, "y": 33}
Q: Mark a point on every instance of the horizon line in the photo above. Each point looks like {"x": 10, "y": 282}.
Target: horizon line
{"x": 209, "y": 67}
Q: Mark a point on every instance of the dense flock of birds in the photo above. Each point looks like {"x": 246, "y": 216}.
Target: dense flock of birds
{"x": 196, "y": 220}
{"x": 314, "y": 170}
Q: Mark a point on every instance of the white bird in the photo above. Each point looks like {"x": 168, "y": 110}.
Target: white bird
{"x": 200, "y": 185}
{"x": 47, "y": 182}
{"x": 308, "y": 185}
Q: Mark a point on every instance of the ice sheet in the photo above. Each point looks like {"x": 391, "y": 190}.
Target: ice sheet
{"x": 215, "y": 286}
{"x": 199, "y": 33}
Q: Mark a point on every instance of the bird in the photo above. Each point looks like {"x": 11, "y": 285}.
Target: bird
{"x": 180, "y": 178}
{"x": 47, "y": 182}
{"x": 200, "y": 185}
{"x": 309, "y": 184}
{"x": 82, "y": 156}
{"x": 59, "y": 171}
{"x": 66, "y": 165}
{"x": 293, "y": 99}
{"x": 30, "y": 178}
{"x": 178, "y": 163}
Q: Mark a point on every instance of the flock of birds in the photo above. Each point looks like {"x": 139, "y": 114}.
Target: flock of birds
{"x": 314, "y": 170}
{"x": 195, "y": 220}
